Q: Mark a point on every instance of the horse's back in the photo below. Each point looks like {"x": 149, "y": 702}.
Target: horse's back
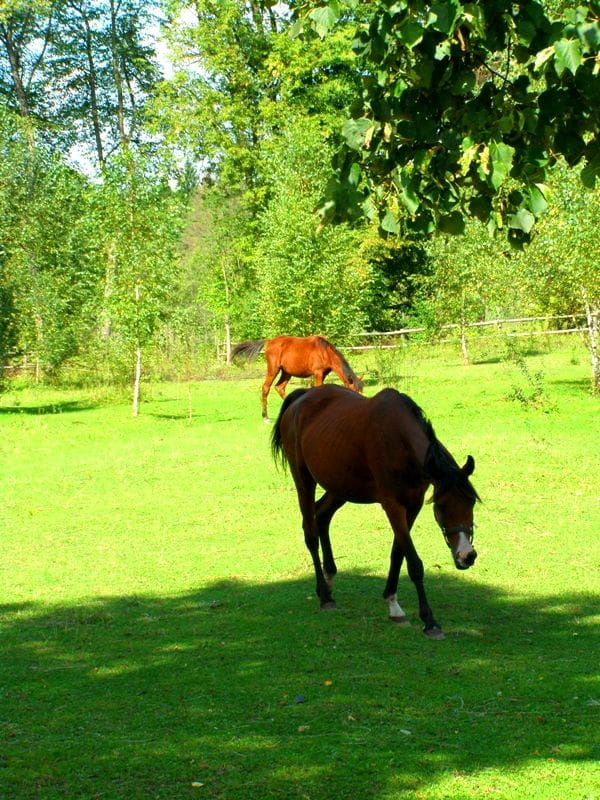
{"x": 355, "y": 447}
{"x": 300, "y": 355}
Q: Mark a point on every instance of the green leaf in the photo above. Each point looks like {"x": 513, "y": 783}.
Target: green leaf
{"x": 442, "y": 50}
{"x": 543, "y": 57}
{"x": 324, "y": 18}
{"x": 537, "y": 200}
{"x": 407, "y": 194}
{"x": 526, "y": 32}
{"x": 443, "y": 16}
{"x": 368, "y": 209}
{"x": 355, "y": 131}
{"x": 474, "y": 16}
{"x": 354, "y": 174}
{"x": 589, "y": 173}
{"x": 501, "y": 156}
{"x": 523, "y": 220}
{"x": 389, "y": 223}
{"x": 411, "y": 33}
{"x": 567, "y": 56}
{"x": 297, "y": 29}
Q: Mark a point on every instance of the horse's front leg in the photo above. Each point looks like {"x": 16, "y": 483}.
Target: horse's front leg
{"x": 396, "y": 613}
{"x": 305, "y": 486}
{"x": 403, "y": 547}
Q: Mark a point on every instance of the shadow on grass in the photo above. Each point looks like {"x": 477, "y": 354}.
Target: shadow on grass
{"x": 184, "y": 416}
{"x": 489, "y": 360}
{"x": 49, "y": 408}
{"x": 252, "y": 692}
{"x": 581, "y": 383}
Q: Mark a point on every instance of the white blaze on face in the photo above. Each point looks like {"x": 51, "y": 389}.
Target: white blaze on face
{"x": 463, "y": 546}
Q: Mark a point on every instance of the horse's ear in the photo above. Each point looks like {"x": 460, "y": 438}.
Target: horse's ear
{"x": 469, "y": 466}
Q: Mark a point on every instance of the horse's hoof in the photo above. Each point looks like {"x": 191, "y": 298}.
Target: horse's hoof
{"x": 328, "y": 606}
{"x": 266, "y": 420}
{"x": 434, "y": 633}
{"x": 404, "y": 621}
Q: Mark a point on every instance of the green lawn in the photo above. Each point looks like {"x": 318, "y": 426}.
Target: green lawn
{"x": 159, "y": 623}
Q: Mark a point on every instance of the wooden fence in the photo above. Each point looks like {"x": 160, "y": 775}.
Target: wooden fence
{"x": 500, "y": 324}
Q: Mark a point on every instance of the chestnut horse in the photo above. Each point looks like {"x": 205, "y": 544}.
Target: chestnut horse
{"x": 373, "y": 450}
{"x": 300, "y": 357}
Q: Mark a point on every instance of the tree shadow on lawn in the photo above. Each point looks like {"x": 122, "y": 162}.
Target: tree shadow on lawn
{"x": 251, "y": 691}
{"x": 49, "y": 408}
{"x": 580, "y": 383}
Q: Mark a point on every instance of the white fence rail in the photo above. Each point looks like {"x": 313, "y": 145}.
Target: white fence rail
{"x": 455, "y": 326}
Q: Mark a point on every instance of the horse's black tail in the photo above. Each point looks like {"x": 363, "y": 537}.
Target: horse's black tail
{"x": 248, "y": 349}
{"x": 277, "y": 449}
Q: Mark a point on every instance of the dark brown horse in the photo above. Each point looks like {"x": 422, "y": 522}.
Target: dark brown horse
{"x": 299, "y": 357}
{"x": 377, "y": 450}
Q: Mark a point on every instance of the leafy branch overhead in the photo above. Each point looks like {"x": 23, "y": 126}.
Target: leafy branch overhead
{"x": 464, "y": 108}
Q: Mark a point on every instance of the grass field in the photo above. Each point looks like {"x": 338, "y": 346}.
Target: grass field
{"x": 160, "y": 633}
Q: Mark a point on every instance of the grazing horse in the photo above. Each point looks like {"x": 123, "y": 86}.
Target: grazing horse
{"x": 300, "y": 357}
{"x": 373, "y": 450}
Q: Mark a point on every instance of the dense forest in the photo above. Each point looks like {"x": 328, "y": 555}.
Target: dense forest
{"x": 168, "y": 172}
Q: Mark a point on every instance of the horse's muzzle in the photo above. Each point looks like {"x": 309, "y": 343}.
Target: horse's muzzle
{"x": 465, "y": 560}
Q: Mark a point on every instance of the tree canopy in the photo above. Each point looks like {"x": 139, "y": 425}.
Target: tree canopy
{"x": 146, "y": 219}
{"x": 464, "y": 109}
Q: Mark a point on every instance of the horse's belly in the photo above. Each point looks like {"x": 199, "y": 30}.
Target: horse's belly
{"x": 354, "y": 486}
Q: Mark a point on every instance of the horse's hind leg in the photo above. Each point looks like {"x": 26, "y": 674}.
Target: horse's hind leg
{"x": 305, "y": 486}
{"x": 282, "y": 383}
{"x": 325, "y": 509}
{"x": 269, "y": 378}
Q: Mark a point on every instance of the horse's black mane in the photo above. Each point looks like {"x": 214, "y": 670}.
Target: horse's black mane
{"x": 438, "y": 461}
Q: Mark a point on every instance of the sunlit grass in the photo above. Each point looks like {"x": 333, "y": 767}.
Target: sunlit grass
{"x": 159, "y": 623}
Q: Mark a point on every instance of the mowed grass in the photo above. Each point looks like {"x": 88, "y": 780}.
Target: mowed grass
{"x": 160, "y": 633}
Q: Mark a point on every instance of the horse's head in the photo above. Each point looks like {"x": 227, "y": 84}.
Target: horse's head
{"x": 355, "y": 383}
{"x": 453, "y": 503}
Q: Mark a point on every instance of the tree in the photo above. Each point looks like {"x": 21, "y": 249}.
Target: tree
{"x": 562, "y": 264}
{"x": 474, "y": 277}
{"x": 26, "y": 33}
{"x": 218, "y": 280}
{"x": 464, "y": 109}
{"x": 141, "y": 219}
{"x": 308, "y": 281}
{"x": 79, "y": 71}
{"x": 47, "y": 276}
{"x": 239, "y": 79}
{"x": 102, "y": 69}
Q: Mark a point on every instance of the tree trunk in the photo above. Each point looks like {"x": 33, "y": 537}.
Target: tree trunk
{"x": 109, "y": 276}
{"x": 114, "y": 45}
{"x": 93, "y": 83}
{"x": 227, "y": 339}
{"x": 15, "y": 70}
{"x": 593, "y": 323}
{"x": 138, "y": 367}
{"x": 463, "y": 334}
